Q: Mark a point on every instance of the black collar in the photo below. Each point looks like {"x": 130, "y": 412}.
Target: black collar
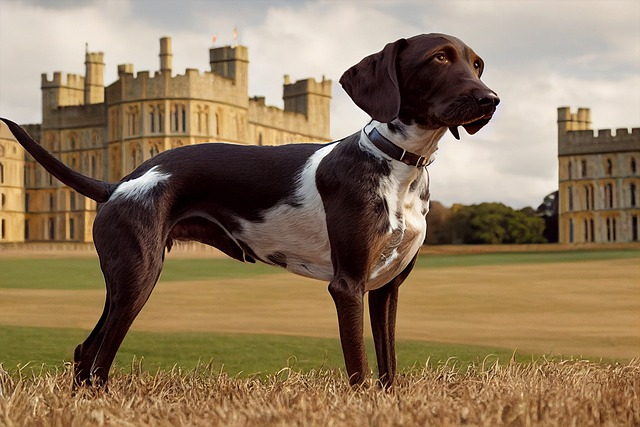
{"x": 395, "y": 152}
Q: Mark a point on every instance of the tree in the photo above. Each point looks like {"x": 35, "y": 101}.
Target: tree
{"x": 494, "y": 223}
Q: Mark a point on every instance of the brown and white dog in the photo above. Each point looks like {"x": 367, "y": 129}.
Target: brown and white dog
{"x": 351, "y": 212}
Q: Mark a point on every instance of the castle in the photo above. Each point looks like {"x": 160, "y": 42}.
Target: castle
{"x": 105, "y": 132}
{"x": 599, "y": 181}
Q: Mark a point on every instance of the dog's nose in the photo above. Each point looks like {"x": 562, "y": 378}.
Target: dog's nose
{"x": 489, "y": 100}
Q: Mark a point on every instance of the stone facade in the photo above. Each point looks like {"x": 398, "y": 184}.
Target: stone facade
{"x": 105, "y": 132}
{"x": 12, "y": 161}
{"x": 599, "y": 181}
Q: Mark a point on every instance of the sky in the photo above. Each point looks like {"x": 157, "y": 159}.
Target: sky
{"x": 539, "y": 55}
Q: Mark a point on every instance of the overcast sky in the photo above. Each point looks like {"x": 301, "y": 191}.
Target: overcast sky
{"x": 539, "y": 55}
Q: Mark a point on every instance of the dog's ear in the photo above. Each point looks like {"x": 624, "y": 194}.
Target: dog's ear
{"x": 373, "y": 83}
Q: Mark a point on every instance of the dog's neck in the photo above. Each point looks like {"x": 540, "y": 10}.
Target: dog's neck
{"x": 412, "y": 138}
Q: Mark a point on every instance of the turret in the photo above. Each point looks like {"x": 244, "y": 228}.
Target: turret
{"x": 310, "y": 98}
{"x": 231, "y": 62}
{"x": 94, "y": 78}
{"x": 165, "y": 55}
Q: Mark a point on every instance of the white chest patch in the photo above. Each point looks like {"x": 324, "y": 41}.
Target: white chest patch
{"x": 407, "y": 224}
{"x": 295, "y": 234}
{"x": 139, "y": 188}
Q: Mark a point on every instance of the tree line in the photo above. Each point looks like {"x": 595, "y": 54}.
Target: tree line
{"x": 484, "y": 223}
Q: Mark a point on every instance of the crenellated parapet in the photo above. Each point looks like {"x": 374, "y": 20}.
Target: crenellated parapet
{"x": 576, "y": 137}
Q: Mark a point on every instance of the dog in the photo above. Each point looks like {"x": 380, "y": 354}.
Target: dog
{"x": 351, "y": 212}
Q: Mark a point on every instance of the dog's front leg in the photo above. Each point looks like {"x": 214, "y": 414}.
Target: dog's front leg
{"x": 383, "y": 305}
{"x": 348, "y": 296}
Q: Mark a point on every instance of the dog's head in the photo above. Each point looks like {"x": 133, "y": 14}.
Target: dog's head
{"x": 432, "y": 80}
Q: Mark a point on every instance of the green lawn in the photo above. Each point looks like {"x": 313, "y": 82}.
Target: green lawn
{"x": 84, "y": 273}
{"x": 247, "y": 353}
{"x": 235, "y": 353}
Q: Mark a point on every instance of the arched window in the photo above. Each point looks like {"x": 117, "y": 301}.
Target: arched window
{"x": 608, "y": 196}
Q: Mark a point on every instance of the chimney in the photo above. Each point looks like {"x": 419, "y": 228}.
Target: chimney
{"x": 165, "y": 55}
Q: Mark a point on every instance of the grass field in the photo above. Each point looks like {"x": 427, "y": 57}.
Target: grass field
{"x": 254, "y": 318}
{"x": 227, "y": 344}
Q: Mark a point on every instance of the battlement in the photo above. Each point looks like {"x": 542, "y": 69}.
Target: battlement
{"x": 59, "y": 80}
{"x": 576, "y": 137}
{"x": 306, "y": 87}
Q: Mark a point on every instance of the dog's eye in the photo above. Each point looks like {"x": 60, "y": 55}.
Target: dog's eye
{"x": 476, "y": 64}
{"x": 440, "y": 57}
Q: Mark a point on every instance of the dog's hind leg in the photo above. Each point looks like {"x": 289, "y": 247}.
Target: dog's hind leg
{"x": 131, "y": 263}
{"x": 85, "y": 352}
{"x": 383, "y": 305}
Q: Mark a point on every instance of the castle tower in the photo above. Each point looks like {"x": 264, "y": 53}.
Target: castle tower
{"x": 165, "y": 55}
{"x": 568, "y": 122}
{"x": 232, "y": 63}
{"x": 599, "y": 181}
{"x": 310, "y": 98}
{"x": 94, "y": 78}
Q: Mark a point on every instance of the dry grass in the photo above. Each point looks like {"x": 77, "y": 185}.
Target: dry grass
{"x": 541, "y": 393}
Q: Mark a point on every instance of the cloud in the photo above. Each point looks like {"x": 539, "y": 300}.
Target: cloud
{"x": 539, "y": 56}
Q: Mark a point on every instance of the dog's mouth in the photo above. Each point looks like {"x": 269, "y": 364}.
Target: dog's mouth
{"x": 471, "y": 127}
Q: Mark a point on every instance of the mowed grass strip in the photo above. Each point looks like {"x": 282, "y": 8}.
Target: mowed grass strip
{"x": 576, "y": 308}
{"x": 234, "y": 354}
{"x": 84, "y": 273}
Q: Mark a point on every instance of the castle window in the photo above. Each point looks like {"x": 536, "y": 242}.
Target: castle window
{"x": 52, "y": 228}
{"x": 152, "y": 121}
{"x": 633, "y": 166}
{"x": 93, "y": 166}
{"x": 569, "y": 169}
{"x": 570, "y": 193}
{"x": 136, "y": 154}
{"x": 634, "y": 228}
{"x": 571, "y": 230}
{"x": 26, "y": 229}
{"x": 589, "y": 199}
{"x": 609, "y": 170}
{"x": 178, "y": 118}
{"x": 132, "y": 121}
{"x": 3, "y": 201}
{"x": 583, "y": 168}
{"x": 72, "y": 201}
{"x": 632, "y": 195}
{"x": 1, "y": 173}
{"x": 608, "y": 196}
{"x": 2, "y": 229}
{"x": 72, "y": 229}
{"x": 27, "y": 198}
{"x": 155, "y": 149}
{"x": 51, "y": 202}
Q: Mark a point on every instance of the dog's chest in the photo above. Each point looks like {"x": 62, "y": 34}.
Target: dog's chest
{"x": 408, "y": 206}
{"x": 294, "y": 235}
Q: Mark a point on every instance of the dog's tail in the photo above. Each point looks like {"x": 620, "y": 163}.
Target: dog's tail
{"x": 97, "y": 190}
